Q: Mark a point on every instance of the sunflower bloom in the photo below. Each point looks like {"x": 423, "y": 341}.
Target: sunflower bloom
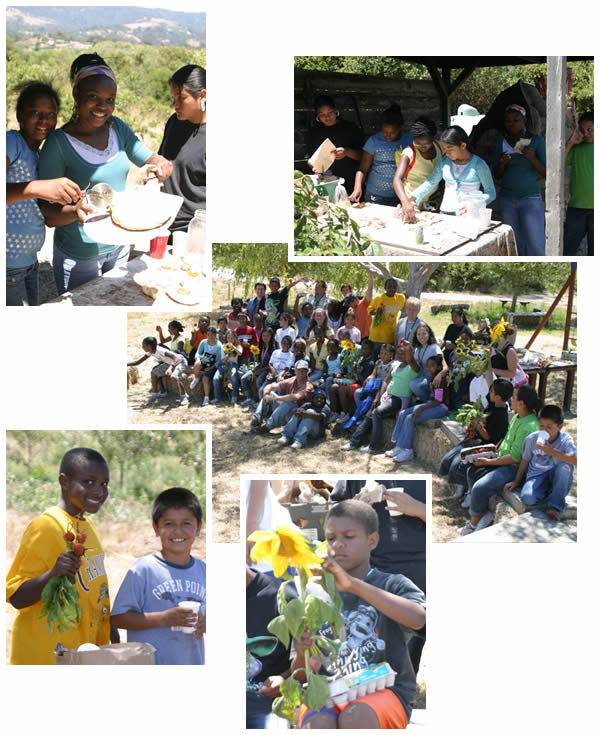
{"x": 497, "y": 331}
{"x": 254, "y": 349}
{"x": 283, "y": 547}
{"x": 348, "y": 345}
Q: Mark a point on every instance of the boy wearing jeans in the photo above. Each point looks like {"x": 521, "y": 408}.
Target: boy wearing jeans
{"x": 547, "y": 463}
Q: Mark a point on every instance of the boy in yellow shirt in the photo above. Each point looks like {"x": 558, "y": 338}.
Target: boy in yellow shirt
{"x": 384, "y": 309}
{"x": 42, "y": 554}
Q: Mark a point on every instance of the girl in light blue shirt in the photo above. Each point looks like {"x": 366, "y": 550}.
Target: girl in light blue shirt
{"x": 462, "y": 171}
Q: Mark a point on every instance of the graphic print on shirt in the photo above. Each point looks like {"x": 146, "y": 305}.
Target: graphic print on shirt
{"x": 178, "y": 590}
{"x": 362, "y": 646}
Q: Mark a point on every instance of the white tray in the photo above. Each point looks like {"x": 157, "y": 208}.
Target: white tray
{"x": 104, "y": 231}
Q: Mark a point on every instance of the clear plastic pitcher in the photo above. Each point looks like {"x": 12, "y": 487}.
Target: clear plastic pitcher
{"x": 195, "y": 246}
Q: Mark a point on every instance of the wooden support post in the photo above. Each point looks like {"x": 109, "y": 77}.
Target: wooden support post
{"x": 555, "y": 153}
{"x": 545, "y": 319}
{"x": 569, "y": 307}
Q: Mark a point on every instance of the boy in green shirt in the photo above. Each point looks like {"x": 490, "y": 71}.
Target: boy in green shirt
{"x": 580, "y": 212}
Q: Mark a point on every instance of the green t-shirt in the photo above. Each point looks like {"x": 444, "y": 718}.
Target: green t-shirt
{"x": 518, "y": 430}
{"x": 399, "y": 384}
{"x": 581, "y": 160}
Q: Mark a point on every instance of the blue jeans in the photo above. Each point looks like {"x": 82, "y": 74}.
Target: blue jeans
{"x": 420, "y": 387}
{"x": 247, "y": 381}
{"x": 315, "y": 375}
{"x": 70, "y": 273}
{"x": 235, "y": 381}
{"x": 552, "y": 487}
{"x": 487, "y": 484}
{"x": 259, "y": 714}
{"x": 404, "y": 430}
{"x": 299, "y": 430}
{"x": 376, "y": 199}
{"x": 277, "y": 412}
{"x": 373, "y": 424}
{"x": 578, "y": 223}
{"x": 526, "y": 217}
{"x": 22, "y": 286}
{"x": 453, "y": 467}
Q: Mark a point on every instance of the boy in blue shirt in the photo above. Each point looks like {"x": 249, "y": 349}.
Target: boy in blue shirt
{"x": 147, "y": 604}
{"x": 548, "y": 463}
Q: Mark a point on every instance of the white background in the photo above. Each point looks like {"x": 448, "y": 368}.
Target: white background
{"x": 512, "y": 629}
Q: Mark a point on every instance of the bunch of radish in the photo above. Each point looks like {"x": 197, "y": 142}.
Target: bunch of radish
{"x": 60, "y": 595}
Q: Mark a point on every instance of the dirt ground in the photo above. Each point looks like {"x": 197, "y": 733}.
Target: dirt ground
{"x": 235, "y": 452}
{"x": 123, "y": 544}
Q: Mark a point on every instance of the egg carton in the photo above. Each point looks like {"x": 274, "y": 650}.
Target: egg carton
{"x": 365, "y": 681}
{"x": 469, "y": 454}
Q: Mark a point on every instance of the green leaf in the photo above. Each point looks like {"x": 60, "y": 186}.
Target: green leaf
{"x": 328, "y": 584}
{"x": 281, "y": 599}
{"x": 283, "y": 708}
{"x": 317, "y": 691}
{"x": 313, "y": 613}
{"x": 279, "y": 628}
{"x": 292, "y": 691}
{"x": 294, "y": 617}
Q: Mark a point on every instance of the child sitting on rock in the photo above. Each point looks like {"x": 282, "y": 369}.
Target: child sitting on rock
{"x": 310, "y": 419}
{"x": 549, "y": 456}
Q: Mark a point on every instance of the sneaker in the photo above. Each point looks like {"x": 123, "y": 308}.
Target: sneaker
{"x": 466, "y": 503}
{"x": 405, "y": 455}
{"x": 185, "y": 400}
{"x": 205, "y": 402}
{"x": 485, "y": 520}
{"x": 213, "y": 401}
{"x": 459, "y": 491}
{"x": 347, "y": 447}
{"x": 391, "y": 452}
{"x": 283, "y": 440}
{"x": 247, "y": 402}
{"x": 194, "y": 383}
{"x": 553, "y": 514}
{"x": 153, "y": 397}
{"x": 234, "y": 401}
{"x": 368, "y": 450}
{"x": 296, "y": 445}
{"x": 466, "y": 529}
{"x": 163, "y": 394}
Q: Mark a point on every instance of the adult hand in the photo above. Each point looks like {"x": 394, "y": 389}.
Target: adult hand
{"x": 164, "y": 167}
{"x": 59, "y": 191}
{"x": 271, "y": 687}
{"x": 340, "y": 153}
{"x": 404, "y": 503}
{"x": 355, "y": 196}
{"x": 529, "y": 153}
{"x": 67, "y": 564}
{"x": 83, "y": 209}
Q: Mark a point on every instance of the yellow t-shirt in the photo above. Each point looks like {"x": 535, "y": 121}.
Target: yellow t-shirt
{"x": 420, "y": 171}
{"x": 392, "y": 305}
{"x": 31, "y": 641}
{"x": 320, "y": 356}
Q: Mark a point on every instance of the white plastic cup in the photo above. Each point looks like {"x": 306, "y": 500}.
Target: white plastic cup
{"x": 390, "y": 504}
{"x": 543, "y": 437}
{"x": 194, "y": 607}
{"x": 485, "y": 218}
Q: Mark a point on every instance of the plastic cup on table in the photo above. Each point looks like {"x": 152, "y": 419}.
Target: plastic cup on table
{"x": 158, "y": 245}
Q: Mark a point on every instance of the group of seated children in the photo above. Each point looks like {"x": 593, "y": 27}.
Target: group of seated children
{"x": 63, "y": 542}
{"x": 532, "y": 453}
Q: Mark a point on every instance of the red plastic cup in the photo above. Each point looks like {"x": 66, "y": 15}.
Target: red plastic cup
{"x": 158, "y": 246}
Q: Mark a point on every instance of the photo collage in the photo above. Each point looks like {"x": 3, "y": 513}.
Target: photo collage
{"x": 377, "y": 391}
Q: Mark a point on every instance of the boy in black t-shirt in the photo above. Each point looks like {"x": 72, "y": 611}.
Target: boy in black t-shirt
{"x": 275, "y": 300}
{"x": 490, "y": 429}
{"x": 381, "y": 611}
